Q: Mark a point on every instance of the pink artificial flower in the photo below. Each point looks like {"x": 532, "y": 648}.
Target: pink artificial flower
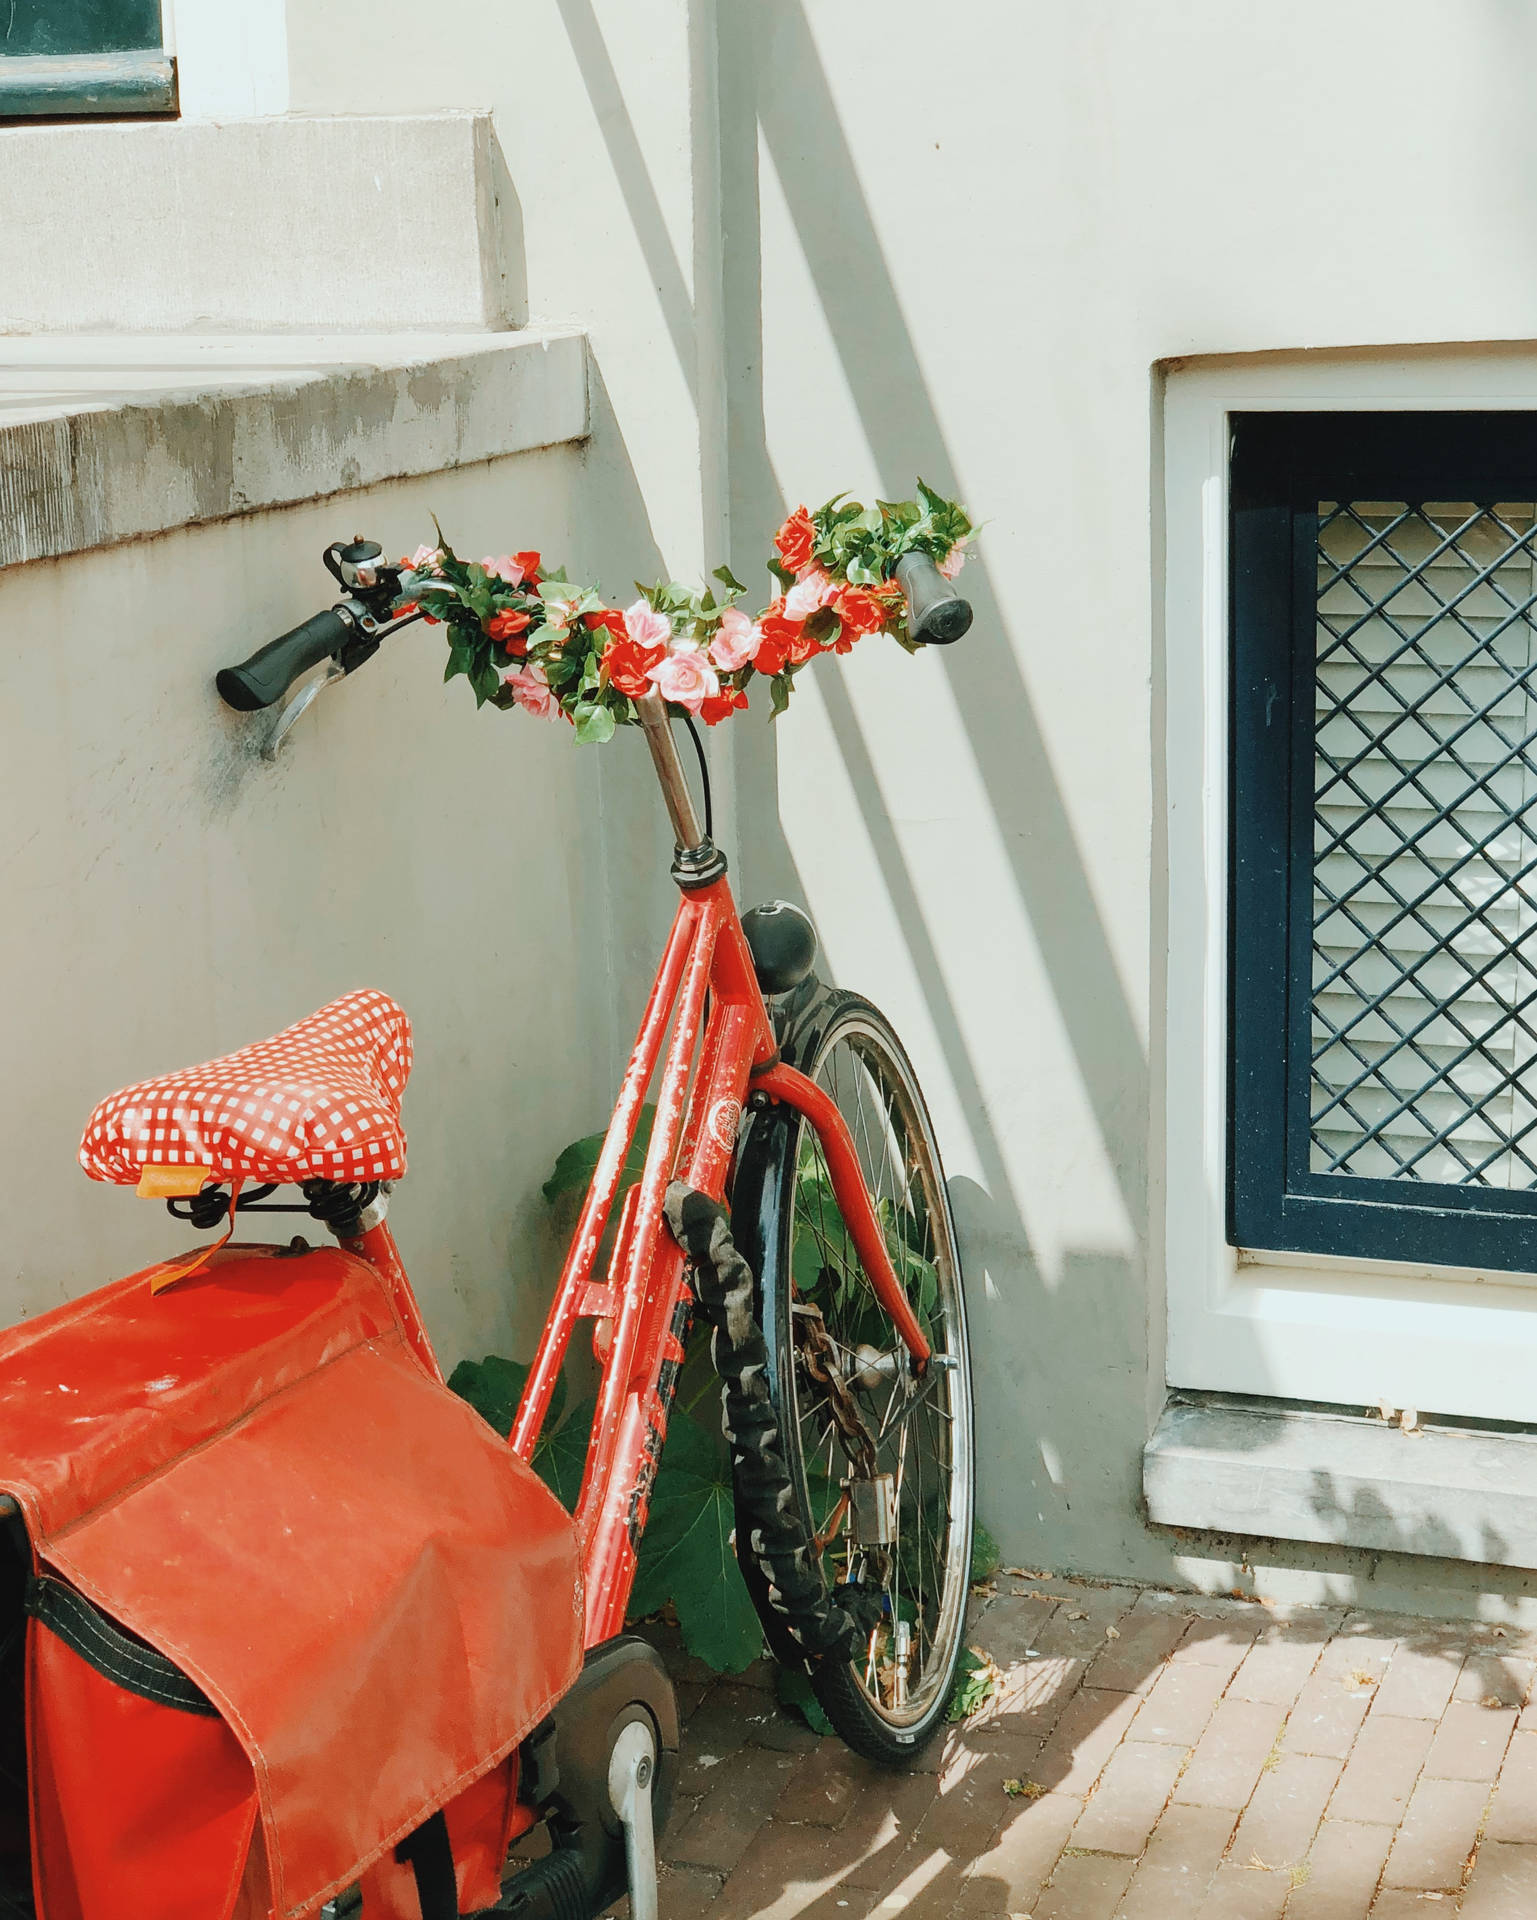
{"x": 424, "y": 560}
{"x": 736, "y": 642}
{"x": 812, "y": 589}
{"x": 685, "y": 677}
{"x": 954, "y": 560}
{"x": 646, "y": 627}
{"x": 504, "y": 567}
{"x": 532, "y": 692}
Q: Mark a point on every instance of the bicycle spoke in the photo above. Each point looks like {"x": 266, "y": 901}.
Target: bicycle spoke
{"x": 910, "y": 1432}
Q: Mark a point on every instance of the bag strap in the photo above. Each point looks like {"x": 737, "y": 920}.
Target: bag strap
{"x": 121, "y": 1656}
{"x": 431, "y": 1859}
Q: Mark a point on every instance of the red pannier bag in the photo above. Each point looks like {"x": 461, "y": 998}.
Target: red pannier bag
{"x": 289, "y": 1597}
{"x": 143, "y": 1802}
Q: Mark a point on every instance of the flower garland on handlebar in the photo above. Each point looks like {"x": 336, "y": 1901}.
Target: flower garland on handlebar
{"x": 524, "y": 635}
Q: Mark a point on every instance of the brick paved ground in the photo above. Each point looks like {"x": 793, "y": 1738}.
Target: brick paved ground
{"x": 1177, "y": 1756}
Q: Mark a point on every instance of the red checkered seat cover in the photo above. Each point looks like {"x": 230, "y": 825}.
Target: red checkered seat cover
{"x": 318, "y": 1101}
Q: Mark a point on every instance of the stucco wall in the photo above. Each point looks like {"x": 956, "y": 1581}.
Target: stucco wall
{"x": 965, "y": 248}
{"x": 169, "y": 894}
{"x": 822, "y": 246}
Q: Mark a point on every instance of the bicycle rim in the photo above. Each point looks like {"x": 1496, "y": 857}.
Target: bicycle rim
{"x": 922, "y": 1439}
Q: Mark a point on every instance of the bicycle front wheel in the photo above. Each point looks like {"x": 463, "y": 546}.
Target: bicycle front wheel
{"x": 880, "y": 1465}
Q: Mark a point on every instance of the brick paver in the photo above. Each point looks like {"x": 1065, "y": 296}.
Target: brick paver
{"x": 1084, "y": 1887}
{"x": 1013, "y": 1870}
{"x": 1231, "y": 1754}
{"x": 1147, "y": 1755}
{"x": 1088, "y": 1732}
{"x": 1419, "y": 1681}
{"x": 1437, "y": 1835}
{"x": 1470, "y": 1742}
{"x": 1280, "y": 1820}
{"x": 1343, "y": 1870}
{"x": 1493, "y": 1679}
{"x": 1132, "y": 1793}
{"x": 1179, "y": 1705}
{"x": 1276, "y": 1671}
{"x": 1243, "y": 1892}
{"x": 1504, "y": 1883}
{"x": 1383, "y": 1766}
{"x": 1178, "y": 1864}
{"x": 1513, "y": 1811}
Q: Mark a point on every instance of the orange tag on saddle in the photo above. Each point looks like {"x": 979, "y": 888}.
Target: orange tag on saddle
{"x": 154, "y": 1184}
{"x": 172, "y": 1183}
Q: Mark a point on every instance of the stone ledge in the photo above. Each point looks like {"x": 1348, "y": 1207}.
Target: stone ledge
{"x": 296, "y": 224}
{"x": 1288, "y": 1473}
{"x": 116, "y": 437}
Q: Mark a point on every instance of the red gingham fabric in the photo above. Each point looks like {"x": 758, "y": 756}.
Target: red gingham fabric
{"x": 318, "y": 1101}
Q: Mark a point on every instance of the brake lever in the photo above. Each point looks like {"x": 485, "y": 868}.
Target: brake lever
{"x": 325, "y": 675}
{"x": 363, "y": 646}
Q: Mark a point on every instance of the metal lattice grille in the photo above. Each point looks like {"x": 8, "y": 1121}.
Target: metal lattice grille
{"x": 1424, "y": 1002}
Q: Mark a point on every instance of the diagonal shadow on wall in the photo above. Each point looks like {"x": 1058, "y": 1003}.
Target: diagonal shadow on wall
{"x": 879, "y": 360}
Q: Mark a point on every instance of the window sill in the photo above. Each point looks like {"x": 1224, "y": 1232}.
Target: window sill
{"x": 1284, "y": 1472}
{"x": 118, "y": 437}
{"x": 55, "y": 85}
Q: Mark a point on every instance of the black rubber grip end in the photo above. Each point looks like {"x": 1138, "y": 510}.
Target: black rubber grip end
{"x": 936, "y": 613}
{"x": 262, "y": 680}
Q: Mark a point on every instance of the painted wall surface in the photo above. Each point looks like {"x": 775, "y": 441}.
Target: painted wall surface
{"x": 822, "y": 246}
{"x": 966, "y": 249}
{"x": 170, "y": 895}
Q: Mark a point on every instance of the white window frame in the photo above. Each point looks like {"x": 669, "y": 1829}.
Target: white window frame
{"x": 231, "y": 57}
{"x": 1300, "y": 1327}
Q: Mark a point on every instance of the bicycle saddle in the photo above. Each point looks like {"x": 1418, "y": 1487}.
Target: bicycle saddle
{"x": 318, "y": 1101}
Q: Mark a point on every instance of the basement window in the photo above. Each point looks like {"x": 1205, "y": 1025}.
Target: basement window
{"x": 69, "y": 59}
{"x": 1383, "y": 1094}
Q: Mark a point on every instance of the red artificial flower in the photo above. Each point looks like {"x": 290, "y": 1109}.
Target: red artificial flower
{"x": 804, "y": 648}
{"x": 783, "y": 638}
{"x": 628, "y": 662}
{"x": 401, "y": 611}
{"x": 533, "y": 568}
{"x": 720, "y": 706}
{"x": 506, "y": 626}
{"x": 860, "y": 611}
{"x": 796, "y": 540}
{"x": 609, "y": 618}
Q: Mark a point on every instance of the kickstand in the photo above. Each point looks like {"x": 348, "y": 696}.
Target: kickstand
{"x": 631, "y": 1773}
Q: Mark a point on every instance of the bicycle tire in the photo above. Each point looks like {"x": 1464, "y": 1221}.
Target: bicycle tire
{"x": 770, "y": 1217}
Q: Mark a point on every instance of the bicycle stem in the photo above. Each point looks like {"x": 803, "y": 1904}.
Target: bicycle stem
{"x": 687, "y": 831}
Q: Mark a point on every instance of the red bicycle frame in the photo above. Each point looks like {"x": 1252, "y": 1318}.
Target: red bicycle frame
{"x": 639, "y": 1307}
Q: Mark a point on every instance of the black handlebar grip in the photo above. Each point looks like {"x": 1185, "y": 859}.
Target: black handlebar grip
{"x": 271, "y": 671}
{"x": 936, "y": 613}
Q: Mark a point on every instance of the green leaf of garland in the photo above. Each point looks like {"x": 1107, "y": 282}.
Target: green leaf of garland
{"x": 594, "y": 725}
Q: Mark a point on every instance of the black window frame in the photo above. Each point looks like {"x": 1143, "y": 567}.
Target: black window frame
{"x": 91, "y": 59}
{"x": 1282, "y": 466}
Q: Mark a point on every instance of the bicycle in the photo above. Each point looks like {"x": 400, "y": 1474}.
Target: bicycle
{"x": 792, "y": 1194}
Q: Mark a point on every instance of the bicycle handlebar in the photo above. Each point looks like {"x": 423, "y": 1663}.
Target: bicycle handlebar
{"x": 936, "y": 614}
{"x": 262, "y": 680}
{"x": 350, "y": 631}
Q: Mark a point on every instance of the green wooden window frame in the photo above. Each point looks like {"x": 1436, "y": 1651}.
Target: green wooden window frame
{"x": 63, "y": 59}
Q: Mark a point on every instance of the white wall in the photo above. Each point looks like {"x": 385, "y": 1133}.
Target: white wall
{"x": 980, "y": 235}
{"x": 605, "y": 133}
{"x": 849, "y": 244}
{"x": 170, "y": 895}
